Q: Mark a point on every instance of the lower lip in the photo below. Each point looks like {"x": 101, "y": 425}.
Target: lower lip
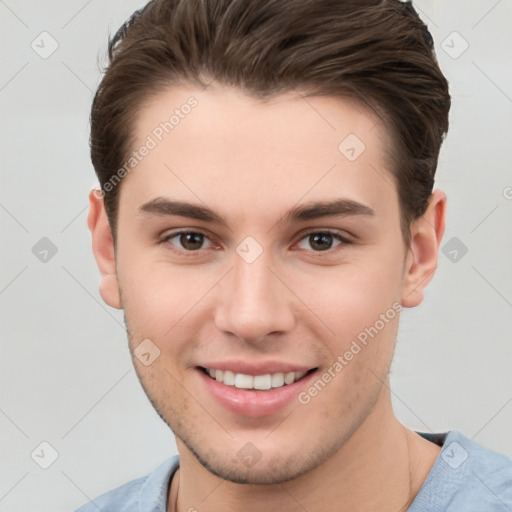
{"x": 254, "y": 403}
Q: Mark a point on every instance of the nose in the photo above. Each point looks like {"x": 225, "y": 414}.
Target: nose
{"x": 253, "y": 301}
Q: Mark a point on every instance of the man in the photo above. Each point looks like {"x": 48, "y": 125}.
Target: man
{"x": 266, "y": 211}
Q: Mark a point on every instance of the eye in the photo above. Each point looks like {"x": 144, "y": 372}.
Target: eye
{"x": 322, "y": 241}
{"x": 190, "y": 241}
{"x": 319, "y": 241}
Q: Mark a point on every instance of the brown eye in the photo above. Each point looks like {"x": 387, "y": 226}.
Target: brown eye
{"x": 186, "y": 241}
{"x": 191, "y": 241}
{"x": 321, "y": 241}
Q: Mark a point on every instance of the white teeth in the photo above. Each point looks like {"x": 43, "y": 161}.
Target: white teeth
{"x": 229, "y": 378}
{"x": 243, "y": 381}
{"x": 262, "y": 382}
{"x": 277, "y": 380}
{"x": 289, "y": 377}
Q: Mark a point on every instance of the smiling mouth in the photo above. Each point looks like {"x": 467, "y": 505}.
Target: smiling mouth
{"x": 256, "y": 382}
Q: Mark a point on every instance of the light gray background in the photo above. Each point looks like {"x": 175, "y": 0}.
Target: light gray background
{"x": 66, "y": 374}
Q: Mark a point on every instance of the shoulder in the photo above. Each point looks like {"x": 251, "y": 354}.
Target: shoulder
{"x": 473, "y": 463}
{"x": 148, "y": 492}
{"x": 466, "y": 476}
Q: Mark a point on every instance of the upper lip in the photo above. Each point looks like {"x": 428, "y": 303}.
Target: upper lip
{"x": 260, "y": 368}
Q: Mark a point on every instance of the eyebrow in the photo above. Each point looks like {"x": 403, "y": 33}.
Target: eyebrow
{"x": 161, "y": 206}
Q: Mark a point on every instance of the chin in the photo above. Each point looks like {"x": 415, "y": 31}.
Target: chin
{"x": 274, "y": 469}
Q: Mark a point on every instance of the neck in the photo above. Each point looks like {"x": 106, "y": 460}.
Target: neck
{"x": 381, "y": 467}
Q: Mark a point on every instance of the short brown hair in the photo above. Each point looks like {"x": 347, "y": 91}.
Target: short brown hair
{"x": 377, "y": 52}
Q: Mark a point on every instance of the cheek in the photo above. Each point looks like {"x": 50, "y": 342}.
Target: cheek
{"x": 158, "y": 296}
{"x": 161, "y": 298}
{"x": 351, "y": 297}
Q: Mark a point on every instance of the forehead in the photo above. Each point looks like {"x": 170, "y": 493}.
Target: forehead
{"x": 226, "y": 148}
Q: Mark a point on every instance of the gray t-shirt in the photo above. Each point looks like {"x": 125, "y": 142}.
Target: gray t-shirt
{"x": 466, "y": 477}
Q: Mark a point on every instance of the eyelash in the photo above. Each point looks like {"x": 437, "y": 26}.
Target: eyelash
{"x": 343, "y": 241}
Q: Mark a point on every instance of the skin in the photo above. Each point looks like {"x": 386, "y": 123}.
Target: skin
{"x": 252, "y": 161}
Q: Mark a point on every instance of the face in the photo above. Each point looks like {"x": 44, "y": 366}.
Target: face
{"x": 250, "y": 279}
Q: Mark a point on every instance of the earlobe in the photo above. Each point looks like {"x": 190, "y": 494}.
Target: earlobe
{"x": 103, "y": 249}
{"x": 421, "y": 261}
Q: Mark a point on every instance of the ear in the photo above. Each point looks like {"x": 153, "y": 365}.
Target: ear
{"x": 421, "y": 261}
{"x": 103, "y": 249}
